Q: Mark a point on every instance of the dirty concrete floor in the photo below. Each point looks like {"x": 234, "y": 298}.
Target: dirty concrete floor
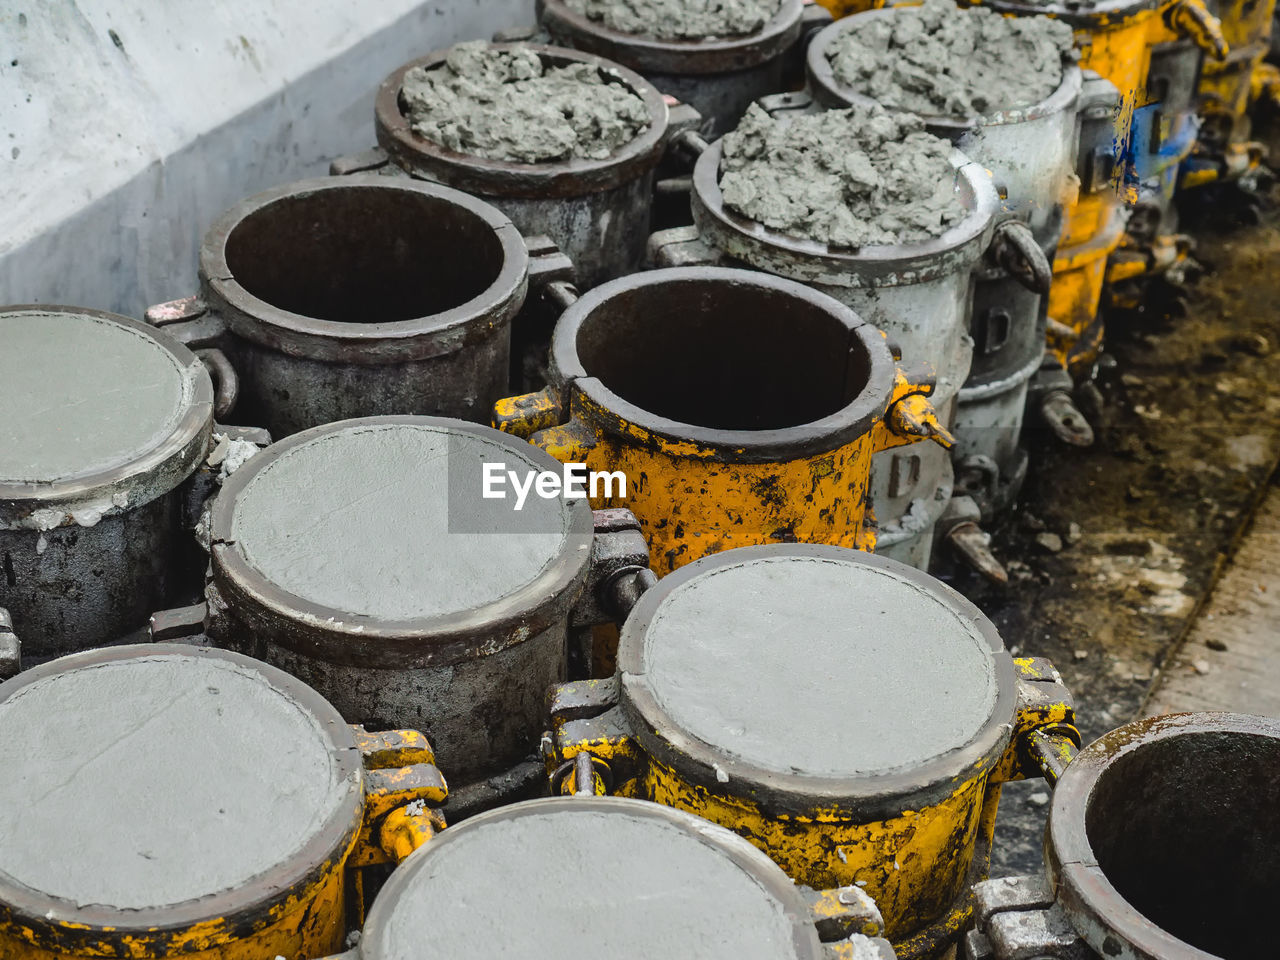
{"x": 1231, "y": 660}
{"x": 1117, "y": 547}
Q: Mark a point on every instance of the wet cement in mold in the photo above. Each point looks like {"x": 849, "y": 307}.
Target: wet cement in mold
{"x": 150, "y": 781}
{"x": 82, "y": 394}
{"x": 632, "y": 887}
{"x": 773, "y": 661}
{"x": 389, "y": 522}
{"x": 507, "y": 105}
{"x": 847, "y": 178}
{"x": 679, "y": 19}
{"x": 941, "y": 60}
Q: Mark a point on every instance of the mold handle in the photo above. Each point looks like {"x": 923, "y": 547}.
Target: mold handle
{"x": 911, "y": 417}
{"x": 1015, "y": 249}
{"x": 189, "y": 321}
{"x": 403, "y": 789}
{"x": 1045, "y": 738}
{"x": 619, "y": 572}
{"x": 591, "y": 749}
{"x": 524, "y": 415}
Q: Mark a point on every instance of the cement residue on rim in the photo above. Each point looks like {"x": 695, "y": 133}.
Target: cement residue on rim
{"x": 848, "y": 178}
{"x": 818, "y": 667}
{"x": 146, "y": 782}
{"x": 679, "y": 19}
{"x": 940, "y": 60}
{"x": 387, "y": 521}
{"x": 632, "y": 886}
{"x": 506, "y": 104}
{"x": 83, "y": 394}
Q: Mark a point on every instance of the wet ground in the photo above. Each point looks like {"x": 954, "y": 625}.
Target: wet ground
{"x": 1119, "y": 546}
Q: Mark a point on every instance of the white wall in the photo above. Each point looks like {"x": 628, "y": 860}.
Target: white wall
{"x": 127, "y": 126}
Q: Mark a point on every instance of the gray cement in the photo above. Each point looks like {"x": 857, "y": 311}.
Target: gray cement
{"x": 81, "y": 394}
{"x": 847, "y": 178}
{"x": 388, "y": 522}
{"x": 630, "y": 888}
{"x": 680, "y": 19}
{"x": 146, "y": 782}
{"x": 941, "y": 60}
{"x": 819, "y": 667}
{"x": 505, "y": 105}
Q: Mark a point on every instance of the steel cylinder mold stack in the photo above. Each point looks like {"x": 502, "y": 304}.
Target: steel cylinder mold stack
{"x": 718, "y": 710}
{"x": 1228, "y": 87}
{"x": 659, "y": 882}
{"x": 1163, "y": 136}
{"x": 452, "y": 616}
{"x": 917, "y": 292}
{"x": 1162, "y": 842}
{"x": 1028, "y": 151}
{"x": 257, "y": 805}
{"x": 744, "y": 408}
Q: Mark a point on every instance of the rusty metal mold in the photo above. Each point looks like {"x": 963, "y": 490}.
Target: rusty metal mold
{"x": 91, "y": 502}
{"x": 1162, "y": 838}
{"x": 453, "y": 619}
{"x": 919, "y": 294}
{"x": 646, "y": 881}
{"x": 597, "y": 211}
{"x": 719, "y": 76}
{"x": 358, "y": 296}
{"x": 743, "y": 408}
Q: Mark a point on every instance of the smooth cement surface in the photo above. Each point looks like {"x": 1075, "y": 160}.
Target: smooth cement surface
{"x": 819, "y": 667}
{"x": 150, "y": 781}
{"x": 80, "y": 395}
{"x": 629, "y": 888}
{"x": 390, "y": 522}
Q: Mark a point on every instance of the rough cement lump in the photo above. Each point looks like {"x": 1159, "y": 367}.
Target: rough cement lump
{"x": 679, "y": 19}
{"x": 940, "y": 60}
{"x": 848, "y": 178}
{"x": 506, "y": 105}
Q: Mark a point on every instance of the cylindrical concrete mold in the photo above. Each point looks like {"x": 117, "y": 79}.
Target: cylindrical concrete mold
{"x": 919, "y": 294}
{"x": 1227, "y": 89}
{"x": 104, "y": 420}
{"x": 739, "y": 407}
{"x": 1029, "y": 150}
{"x": 1008, "y": 330}
{"x": 718, "y": 76}
{"x": 163, "y": 800}
{"x": 1164, "y": 134}
{"x": 1075, "y": 326}
{"x": 1031, "y": 153}
{"x": 368, "y": 558}
{"x": 1115, "y": 39}
{"x": 621, "y": 878}
{"x": 596, "y": 211}
{"x": 359, "y": 296}
{"x": 1163, "y": 841}
{"x": 849, "y": 715}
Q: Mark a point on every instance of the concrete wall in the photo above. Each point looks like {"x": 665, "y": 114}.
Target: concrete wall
{"x": 127, "y": 126}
